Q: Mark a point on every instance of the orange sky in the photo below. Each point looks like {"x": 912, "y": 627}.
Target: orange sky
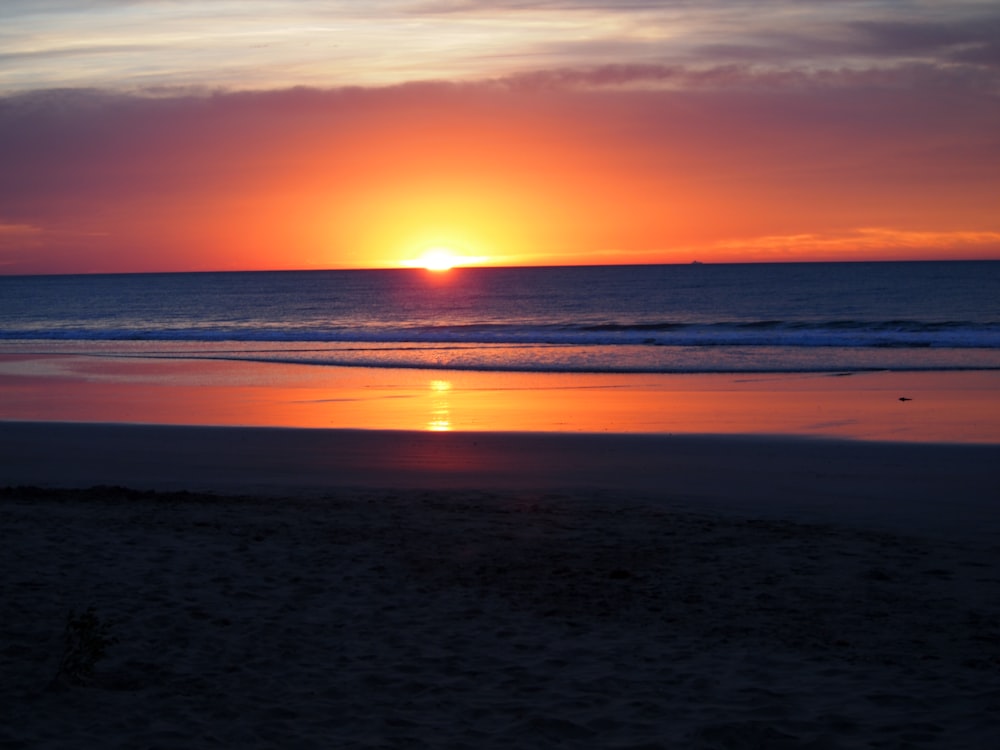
{"x": 705, "y": 153}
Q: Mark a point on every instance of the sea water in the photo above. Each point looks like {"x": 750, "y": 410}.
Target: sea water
{"x": 802, "y": 317}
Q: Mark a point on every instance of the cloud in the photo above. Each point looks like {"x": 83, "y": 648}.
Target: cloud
{"x": 750, "y": 77}
{"x": 16, "y": 241}
{"x": 896, "y": 38}
{"x": 779, "y": 32}
{"x": 75, "y": 51}
{"x": 277, "y": 44}
{"x": 11, "y": 232}
{"x": 867, "y": 240}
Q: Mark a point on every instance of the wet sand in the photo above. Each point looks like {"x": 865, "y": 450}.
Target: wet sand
{"x": 888, "y": 406}
{"x": 901, "y": 485}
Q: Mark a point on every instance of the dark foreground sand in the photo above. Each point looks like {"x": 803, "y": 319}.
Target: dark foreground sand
{"x": 407, "y": 590}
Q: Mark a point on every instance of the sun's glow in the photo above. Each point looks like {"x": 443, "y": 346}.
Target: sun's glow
{"x": 442, "y": 258}
{"x": 438, "y": 259}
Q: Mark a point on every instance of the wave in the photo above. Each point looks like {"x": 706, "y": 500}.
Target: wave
{"x": 773, "y": 365}
{"x": 762, "y": 333}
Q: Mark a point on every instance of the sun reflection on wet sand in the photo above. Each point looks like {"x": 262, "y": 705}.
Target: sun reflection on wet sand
{"x": 440, "y": 420}
{"x": 910, "y": 406}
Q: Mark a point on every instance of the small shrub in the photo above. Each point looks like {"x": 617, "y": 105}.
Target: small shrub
{"x": 86, "y": 640}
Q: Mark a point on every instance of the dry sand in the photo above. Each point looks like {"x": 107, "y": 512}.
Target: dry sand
{"x": 687, "y": 592}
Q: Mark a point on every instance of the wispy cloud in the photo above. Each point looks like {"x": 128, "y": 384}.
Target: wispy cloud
{"x": 10, "y": 231}
{"x": 867, "y": 243}
{"x": 17, "y": 241}
{"x": 278, "y": 43}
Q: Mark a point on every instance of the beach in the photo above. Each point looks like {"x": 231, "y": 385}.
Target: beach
{"x": 348, "y": 588}
{"x": 447, "y": 375}
{"x": 284, "y": 555}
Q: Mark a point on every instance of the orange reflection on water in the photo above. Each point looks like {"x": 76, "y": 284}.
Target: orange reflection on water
{"x": 951, "y": 406}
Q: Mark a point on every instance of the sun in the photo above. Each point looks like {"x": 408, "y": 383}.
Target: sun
{"x": 438, "y": 259}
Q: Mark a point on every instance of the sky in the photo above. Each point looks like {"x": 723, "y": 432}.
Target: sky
{"x": 188, "y": 135}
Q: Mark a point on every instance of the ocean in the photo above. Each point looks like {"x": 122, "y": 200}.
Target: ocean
{"x": 699, "y": 318}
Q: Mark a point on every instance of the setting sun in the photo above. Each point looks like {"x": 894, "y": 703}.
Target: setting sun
{"x": 438, "y": 259}
{"x": 441, "y": 258}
